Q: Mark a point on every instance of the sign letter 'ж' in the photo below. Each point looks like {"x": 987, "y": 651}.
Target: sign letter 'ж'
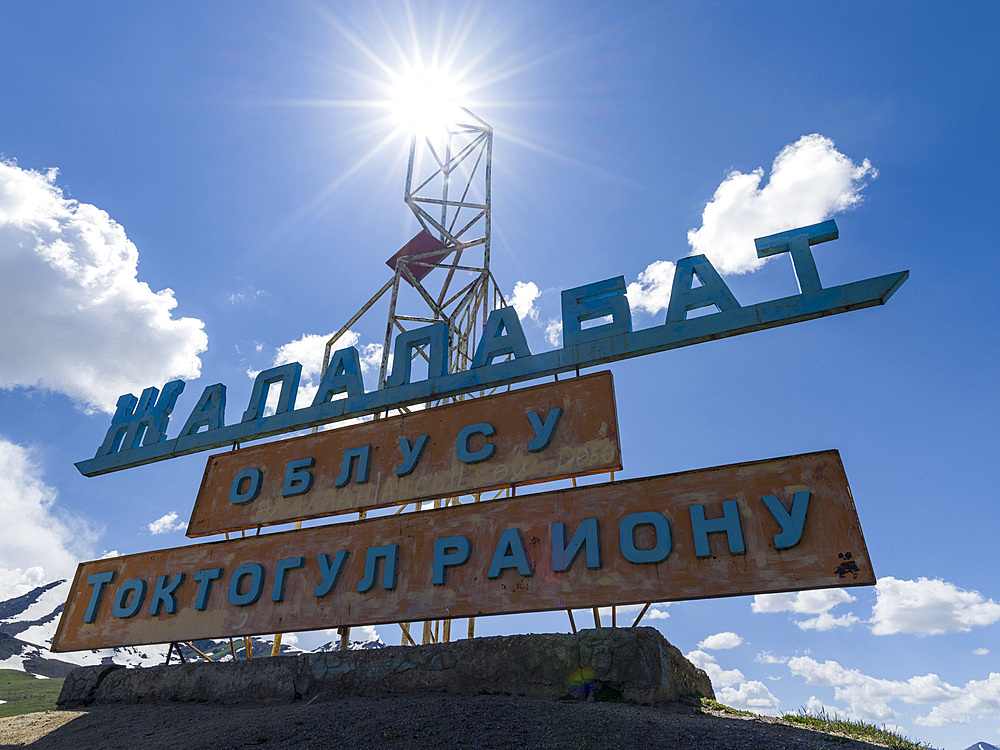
{"x": 550, "y": 431}
{"x": 785, "y": 524}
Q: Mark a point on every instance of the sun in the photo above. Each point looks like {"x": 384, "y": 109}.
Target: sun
{"x": 425, "y": 100}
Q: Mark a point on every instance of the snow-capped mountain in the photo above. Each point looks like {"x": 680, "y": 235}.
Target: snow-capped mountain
{"x": 982, "y": 746}
{"x": 28, "y": 624}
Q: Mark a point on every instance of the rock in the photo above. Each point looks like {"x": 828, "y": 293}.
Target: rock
{"x": 632, "y": 664}
{"x": 81, "y": 683}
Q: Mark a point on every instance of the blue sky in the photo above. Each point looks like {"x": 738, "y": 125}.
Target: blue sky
{"x": 233, "y": 145}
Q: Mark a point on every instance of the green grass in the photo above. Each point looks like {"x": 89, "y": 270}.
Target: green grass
{"x": 858, "y": 730}
{"x": 25, "y": 694}
{"x": 824, "y": 722}
{"x": 723, "y": 708}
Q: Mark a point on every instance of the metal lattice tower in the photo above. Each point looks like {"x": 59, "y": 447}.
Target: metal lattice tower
{"x": 443, "y": 273}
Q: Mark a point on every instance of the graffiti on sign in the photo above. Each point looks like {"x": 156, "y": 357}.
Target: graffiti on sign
{"x": 551, "y": 431}
{"x": 785, "y": 524}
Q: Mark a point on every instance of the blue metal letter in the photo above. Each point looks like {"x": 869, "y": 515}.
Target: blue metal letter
{"x": 626, "y": 537}
{"x": 791, "y": 523}
{"x": 449, "y": 552}
{"x": 411, "y": 454}
{"x": 796, "y": 243}
{"x": 462, "y": 443}
{"x": 501, "y": 335}
{"x": 510, "y": 553}
{"x": 330, "y": 572}
{"x": 389, "y": 553}
{"x": 288, "y": 375}
{"x": 163, "y": 595}
{"x": 436, "y": 336}
{"x": 297, "y": 479}
{"x": 210, "y": 411}
{"x": 135, "y": 586}
{"x": 564, "y": 554}
{"x": 729, "y": 523}
{"x": 253, "y": 488}
{"x": 343, "y": 373}
{"x": 204, "y": 579}
{"x": 597, "y": 300}
{"x": 145, "y": 418}
{"x": 256, "y": 573}
{"x": 713, "y": 290}
{"x": 543, "y": 430}
{"x": 283, "y": 566}
{"x": 98, "y": 581}
{"x": 363, "y": 454}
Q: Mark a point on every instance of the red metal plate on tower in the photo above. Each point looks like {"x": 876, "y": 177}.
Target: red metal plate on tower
{"x": 422, "y": 242}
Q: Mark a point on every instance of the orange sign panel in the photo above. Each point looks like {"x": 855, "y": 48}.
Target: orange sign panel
{"x": 785, "y": 524}
{"x": 551, "y": 431}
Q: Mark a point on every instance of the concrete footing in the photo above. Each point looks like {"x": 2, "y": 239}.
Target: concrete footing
{"x": 632, "y": 664}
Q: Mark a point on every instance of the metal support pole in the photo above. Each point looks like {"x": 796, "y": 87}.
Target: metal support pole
{"x": 634, "y": 624}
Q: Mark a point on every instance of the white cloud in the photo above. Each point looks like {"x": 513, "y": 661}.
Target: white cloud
{"x": 522, "y": 299}
{"x": 826, "y": 621}
{"x": 86, "y": 326}
{"x": 810, "y": 181}
{"x": 817, "y": 603}
{"x": 869, "y": 697}
{"x": 815, "y": 706}
{"x": 651, "y": 292}
{"x": 39, "y": 542}
{"x": 109, "y": 553}
{"x": 980, "y": 651}
{"x": 731, "y": 686}
{"x": 657, "y": 613}
{"x": 801, "y": 602}
{"x": 750, "y": 696}
{"x": 720, "y": 641}
{"x": 766, "y": 657}
{"x": 980, "y": 698}
{"x": 929, "y": 607}
{"x": 720, "y": 677}
{"x": 308, "y": 351}
{"x": 166, "y": 524}
{"x": 553, "y": 332}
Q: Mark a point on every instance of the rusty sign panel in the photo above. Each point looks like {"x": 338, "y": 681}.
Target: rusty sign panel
{"x": 531, "y": 435}
{"x": 785, "y": 524}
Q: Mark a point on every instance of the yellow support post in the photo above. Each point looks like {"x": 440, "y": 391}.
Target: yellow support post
{"x": 405, "y": 627}
{"x": 634, "y": 624}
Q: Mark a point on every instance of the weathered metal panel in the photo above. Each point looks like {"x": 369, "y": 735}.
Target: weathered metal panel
{"x": 423, "y": 244}
{"x": 830, "y": 552}
{"x": 583, "y": 441}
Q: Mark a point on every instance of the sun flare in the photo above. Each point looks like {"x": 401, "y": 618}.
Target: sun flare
{"x": 425, "y": 99}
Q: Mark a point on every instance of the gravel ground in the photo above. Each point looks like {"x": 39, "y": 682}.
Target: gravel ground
{"x": 409, "y": 721}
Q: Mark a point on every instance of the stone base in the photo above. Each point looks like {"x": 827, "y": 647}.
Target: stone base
{"x": 632, "y": 664}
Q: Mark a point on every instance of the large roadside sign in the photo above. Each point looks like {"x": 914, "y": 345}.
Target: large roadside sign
{"x": 784, "y": 524}
{"x": 546, "y": 432}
